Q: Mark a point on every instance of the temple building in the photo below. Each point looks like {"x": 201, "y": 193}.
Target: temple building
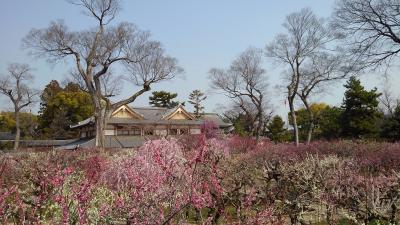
{"x": 151, "y": 121}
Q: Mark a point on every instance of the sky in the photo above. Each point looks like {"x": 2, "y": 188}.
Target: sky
{"x": 200, "y": 34}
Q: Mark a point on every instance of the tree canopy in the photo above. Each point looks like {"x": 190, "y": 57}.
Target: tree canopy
{"x": 16, "y": 86}
{"x": 276, "y": 130}
{"x": 61, "y": 107}
{"x": 391, "y": 125}
{"x": 195, "y": 98}
{"x": 163, "y": 99}
{"x": 96, "y": 50}
{"x": 28, "y": 123}
{"x": 360, "y": 110}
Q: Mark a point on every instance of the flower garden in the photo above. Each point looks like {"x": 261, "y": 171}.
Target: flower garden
{"x": 204, "y": 180}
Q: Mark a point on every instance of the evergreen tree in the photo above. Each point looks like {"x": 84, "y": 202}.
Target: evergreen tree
{"x": 303, "y": 120}
{"x": 49, "y": 92}
{"x": 195, "y": 98}
{"x": 163, "y": 99}
{"x": 60, "y": 107}
{"x": 276, "y": 130}
{"x": 360, "y": 111}
{"x": 391, "y": 126}
{"x": 329, "y": 123}
{"x": 242, "y": 124}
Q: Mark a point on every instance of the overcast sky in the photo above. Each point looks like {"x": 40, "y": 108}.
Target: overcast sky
{"x": 200, "y": 34}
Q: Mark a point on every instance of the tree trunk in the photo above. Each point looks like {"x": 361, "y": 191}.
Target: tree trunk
{"x": 259, "y": 125}
{"x": 310, "y": 131}
{"x": 100, "y": 124}
{"x": 294, "y": 121}
{"x": 17, "y": 130}
{"x": 100, "y": 121}
{"x": 311, "y": 120}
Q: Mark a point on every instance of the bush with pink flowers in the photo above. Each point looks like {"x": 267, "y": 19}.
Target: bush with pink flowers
{"x": 209, "y": 180}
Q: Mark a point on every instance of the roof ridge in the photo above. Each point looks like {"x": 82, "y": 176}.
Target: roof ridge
{"x": 150, "y": 108}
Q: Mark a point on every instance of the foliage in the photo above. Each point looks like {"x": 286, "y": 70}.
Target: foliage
{"x": 209, "y": 128}
{"x": 329, "y": 123}
{"x": 391, "y": 125}
{"x": 195, "y": 98}
{"x": 360, "y": 111}
{"x": 277, "y": 131}
{"x": 303, "y": 121}
{"x": 242, "y": 123}
{"x": 163, "y": 99}
{"x": 61, "y": 107}
{"x": 28, "y": 123}
{"x": 230, "y": 180}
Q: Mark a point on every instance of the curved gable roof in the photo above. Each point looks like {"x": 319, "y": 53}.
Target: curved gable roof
{"x": 177, "y": 110}
{"x": 129, "y": 110}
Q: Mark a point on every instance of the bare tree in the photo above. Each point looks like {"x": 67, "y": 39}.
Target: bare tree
{"x": 387, "y": 100}
{"x": 95, "y": 50}
{"x": 111, "y": 84}
{"x": 240, "y": 112}
{"x": 16, "y": 86}
{"x": 244, "y": 82}
{"x": 370, "y": 29}
{"x": 322, "y": 69}
{"x": 305, "y": 36}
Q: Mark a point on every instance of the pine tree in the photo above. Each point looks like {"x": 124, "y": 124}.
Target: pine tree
{"x": 330, "y": 122}
{"x": 60, "y": 107}
{"x": 195, "y": 98}
{"x": 360, "y": 111}
{"x": 391, "y": 125}
{"x": 276, "y": 129}
{"x": 163, "y": 99}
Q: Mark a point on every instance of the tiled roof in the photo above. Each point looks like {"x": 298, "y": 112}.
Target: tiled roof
{"x": 44, "y": 143}
{"x": 109, "y": 142}
{"x": 216, "y": 119}
{"x": 83, "y": 122}
{"x": 156, "y": 115}
{"x": 150, "y": 122}
{"x": 151, "y": 113}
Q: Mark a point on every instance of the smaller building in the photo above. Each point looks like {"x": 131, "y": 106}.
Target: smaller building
{"x": 150, "y": 121}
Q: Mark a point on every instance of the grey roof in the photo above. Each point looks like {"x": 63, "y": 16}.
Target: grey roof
{"x": 210, "y": 116}
{"x": 83, "y": 122}
{"x": 110, "y": 142}
{"x": 153, "y": 122}
{"x": 156, "y": 115}
{"x": 43, "y": 143}
{"x": 152, "y": 113}
{"x": 216, "y": 118}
